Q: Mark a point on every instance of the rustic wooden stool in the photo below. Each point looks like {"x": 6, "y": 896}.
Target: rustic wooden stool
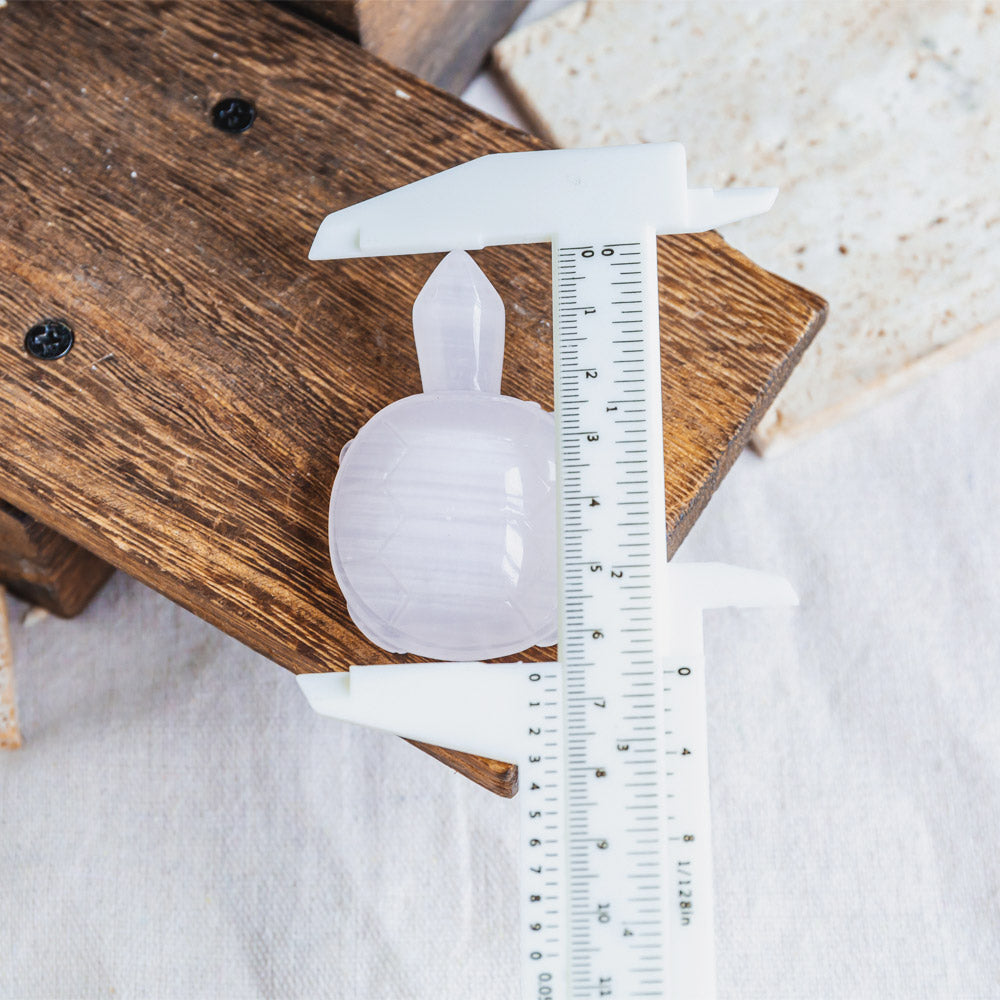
{"x": 189, "y": 436}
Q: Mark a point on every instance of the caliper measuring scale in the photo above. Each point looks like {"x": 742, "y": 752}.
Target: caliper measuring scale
{"x": 612, "y": 559}
{"x": 610, "y": 741}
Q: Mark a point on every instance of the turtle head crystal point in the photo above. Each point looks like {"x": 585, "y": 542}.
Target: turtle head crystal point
{"x": 458, "y": 324}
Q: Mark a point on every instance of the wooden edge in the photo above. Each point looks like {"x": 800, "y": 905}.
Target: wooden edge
{"x": 743, "y": 437}
{"x": 43, "y": 567}
{"x": 441, "y": 41}
{"x": 339, "y": 15}
{"x": 494, "y": 775}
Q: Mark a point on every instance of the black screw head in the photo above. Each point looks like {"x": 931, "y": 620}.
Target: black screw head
{"x": 233, "y": 114}
{"x": 50, "y": 339}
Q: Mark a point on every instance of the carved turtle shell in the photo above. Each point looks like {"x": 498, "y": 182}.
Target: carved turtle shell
{"x": 443, "y": 513}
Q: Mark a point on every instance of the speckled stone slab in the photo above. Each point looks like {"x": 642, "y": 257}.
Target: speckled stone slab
{"x": 879, "y": 121}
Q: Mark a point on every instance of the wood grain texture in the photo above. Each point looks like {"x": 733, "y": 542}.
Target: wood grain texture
{"x": 191, "y": 436}
{"x": 43, "y": 567}
{"x": 442, "y": 41}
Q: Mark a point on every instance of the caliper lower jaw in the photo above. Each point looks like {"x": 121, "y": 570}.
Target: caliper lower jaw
{"x": 480, "y": 708}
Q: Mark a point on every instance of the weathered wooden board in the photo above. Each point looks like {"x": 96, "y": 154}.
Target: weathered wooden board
{"x": 442, "y": 41}
{"x": 191, "y": 436}
{"x": 43, "y": 567}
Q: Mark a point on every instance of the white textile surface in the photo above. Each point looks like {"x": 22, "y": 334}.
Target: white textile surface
{"x": 180, "y": 825}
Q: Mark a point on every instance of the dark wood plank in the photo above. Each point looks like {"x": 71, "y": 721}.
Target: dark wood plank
{"x": 341, "y": 15}
{"x": 43, "y": 567}
{"x": 442, "y": 41}
{"x": 191, "y": 435}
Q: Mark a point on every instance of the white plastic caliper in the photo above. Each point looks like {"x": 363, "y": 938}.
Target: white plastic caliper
{"x": 616, "y": 882}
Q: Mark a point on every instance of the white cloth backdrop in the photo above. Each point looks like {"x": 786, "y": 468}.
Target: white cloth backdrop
{"x": 180, "y": 825}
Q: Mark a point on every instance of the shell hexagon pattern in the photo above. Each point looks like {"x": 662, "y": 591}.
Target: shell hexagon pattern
{"x": 443, "y": 514}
